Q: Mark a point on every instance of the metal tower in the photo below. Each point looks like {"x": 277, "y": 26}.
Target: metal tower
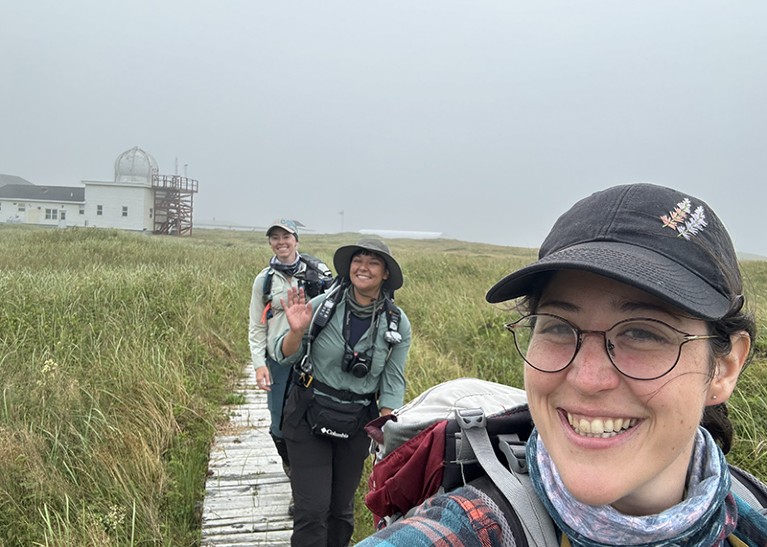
{"x": 173, "y": 204}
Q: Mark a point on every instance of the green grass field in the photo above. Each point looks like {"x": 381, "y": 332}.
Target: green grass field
{"x": 119, "y": 350}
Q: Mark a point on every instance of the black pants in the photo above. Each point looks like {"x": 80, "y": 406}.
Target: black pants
{"x": 324, "y": 475}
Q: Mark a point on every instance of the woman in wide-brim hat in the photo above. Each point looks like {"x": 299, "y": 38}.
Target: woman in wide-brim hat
{"x": 342, "y": 261}
{"x": 356, "y": 361}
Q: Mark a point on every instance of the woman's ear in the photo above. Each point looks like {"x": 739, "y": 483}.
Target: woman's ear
{"x": 728, "y": 368}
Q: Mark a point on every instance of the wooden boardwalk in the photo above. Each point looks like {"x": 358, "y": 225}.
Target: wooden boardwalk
{"x": 246, "y": 493}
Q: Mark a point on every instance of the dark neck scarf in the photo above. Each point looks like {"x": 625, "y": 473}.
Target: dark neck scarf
{"x": 705, "y": 518}
{"x": 363, "y": 312}
{"x": 288, "y": 270}
{"x": 359, "y": 318}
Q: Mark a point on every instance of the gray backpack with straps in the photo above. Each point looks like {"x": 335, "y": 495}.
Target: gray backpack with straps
{"x": 487, "y": 429}
{"x": 485, "y": 421}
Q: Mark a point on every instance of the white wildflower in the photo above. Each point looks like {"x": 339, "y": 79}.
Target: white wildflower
{"x": 694, "y": 224}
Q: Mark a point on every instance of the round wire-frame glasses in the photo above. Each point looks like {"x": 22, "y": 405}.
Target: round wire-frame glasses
{"x": 639, "y": 348}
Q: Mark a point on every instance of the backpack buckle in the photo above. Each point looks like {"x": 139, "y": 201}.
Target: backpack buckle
{"x": 515, "y": 451}
{"x": 306, "y": 379}
{"x": 470, "y": 418}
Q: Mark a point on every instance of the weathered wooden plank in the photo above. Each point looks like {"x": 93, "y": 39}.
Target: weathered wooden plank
{"x": 247, "y": 537}
{"x": 267, "y": 520}
{"x": 247, "y": 492}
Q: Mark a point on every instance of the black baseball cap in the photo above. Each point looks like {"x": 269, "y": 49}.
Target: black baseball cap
{"x": 660, "y": 240}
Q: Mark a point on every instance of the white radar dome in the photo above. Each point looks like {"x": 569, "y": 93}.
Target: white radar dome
{"x": 135, "y": 165}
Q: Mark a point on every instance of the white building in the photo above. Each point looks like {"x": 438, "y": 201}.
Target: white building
{"x": 138, "y": 199}
{"x": 51, "y": 205}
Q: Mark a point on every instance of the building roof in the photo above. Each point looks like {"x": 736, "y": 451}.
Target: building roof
{"x": 12, "y": 179}
{"x": 42, "y": 193}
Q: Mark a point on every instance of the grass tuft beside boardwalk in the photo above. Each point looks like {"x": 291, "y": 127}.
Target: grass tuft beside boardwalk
{"x": 119, "y": 350}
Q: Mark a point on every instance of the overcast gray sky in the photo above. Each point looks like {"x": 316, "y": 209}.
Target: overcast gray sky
{"x": 482, "y": 120}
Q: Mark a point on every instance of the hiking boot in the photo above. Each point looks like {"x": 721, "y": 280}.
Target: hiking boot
{"x": 282, "y": 451}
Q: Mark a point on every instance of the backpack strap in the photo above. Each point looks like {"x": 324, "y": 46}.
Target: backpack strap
{"x": 327, "y": 308}
{"x": 748, "y": 488}
{"x": 515, "y": 485}
{"x": 266, "y": 288}
{"x": 486, "y": 485}
{"x": 303, "y": 370}
{"x": 266, "y": 295}
{"x": 393, "y": 316}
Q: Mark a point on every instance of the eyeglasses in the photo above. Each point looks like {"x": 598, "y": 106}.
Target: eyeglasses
{"x": 641, "y": 348}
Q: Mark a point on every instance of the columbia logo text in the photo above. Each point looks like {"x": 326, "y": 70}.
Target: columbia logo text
{"x": 330, "y": 433}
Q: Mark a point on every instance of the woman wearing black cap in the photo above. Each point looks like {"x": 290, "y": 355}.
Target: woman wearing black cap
{"x": 633, "y": 334}
{"x": 347, "y": 372}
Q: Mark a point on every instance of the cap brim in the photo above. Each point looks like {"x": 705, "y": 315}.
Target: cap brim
{"x": 343, "y": 257}
{"x": 636, "y": 266}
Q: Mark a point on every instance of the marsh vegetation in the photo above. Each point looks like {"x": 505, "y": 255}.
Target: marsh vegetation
{"x": 120, "y": 351}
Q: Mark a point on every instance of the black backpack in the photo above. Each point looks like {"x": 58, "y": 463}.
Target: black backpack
{"x": 315, "y": 279}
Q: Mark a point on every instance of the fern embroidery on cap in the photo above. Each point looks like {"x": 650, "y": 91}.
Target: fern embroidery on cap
{"x": 678, "y": 219}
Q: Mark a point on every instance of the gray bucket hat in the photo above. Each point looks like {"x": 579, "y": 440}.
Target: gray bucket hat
{"x": 343, "y": 257}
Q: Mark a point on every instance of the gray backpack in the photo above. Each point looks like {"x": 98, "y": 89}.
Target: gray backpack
{"x": 486, "y": 426}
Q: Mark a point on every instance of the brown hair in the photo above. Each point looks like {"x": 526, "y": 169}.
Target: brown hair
{"x": 716, "y": 418}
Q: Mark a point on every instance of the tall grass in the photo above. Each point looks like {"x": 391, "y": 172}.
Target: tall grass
{"x": 116, "y": 351}
{"x": 119, "y": 350}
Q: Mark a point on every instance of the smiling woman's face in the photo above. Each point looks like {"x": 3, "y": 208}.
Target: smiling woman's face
{"x": 368, "y": 272}
{"x": 284, "y": 245}
{"x": 641, "y": 467}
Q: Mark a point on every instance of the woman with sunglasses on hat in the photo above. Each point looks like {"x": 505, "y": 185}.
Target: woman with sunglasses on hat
{"x": 346, "y": 374}
{"x": 633, "y": 334}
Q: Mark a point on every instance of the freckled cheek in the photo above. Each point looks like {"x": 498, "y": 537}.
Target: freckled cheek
{"x": 542, "y": 382}
{"x": 539, "y": 386}
{"x": 675, "y": 424}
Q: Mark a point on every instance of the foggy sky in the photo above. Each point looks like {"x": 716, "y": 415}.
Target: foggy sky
{"x": 481, "y": 120}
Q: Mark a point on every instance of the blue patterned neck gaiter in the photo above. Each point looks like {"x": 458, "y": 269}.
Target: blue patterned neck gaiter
{"x": 704, "y": 518}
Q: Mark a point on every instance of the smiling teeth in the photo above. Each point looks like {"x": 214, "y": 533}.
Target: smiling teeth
{"x": 600, "y": 427}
